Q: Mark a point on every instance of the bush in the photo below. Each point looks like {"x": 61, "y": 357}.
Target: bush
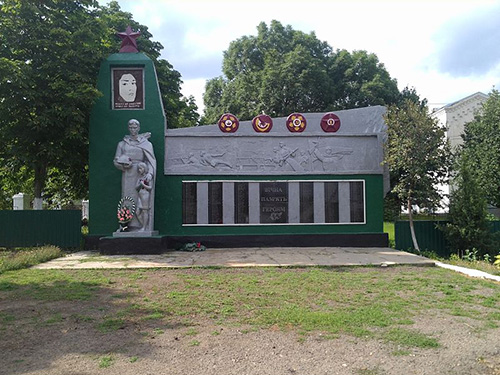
{"x": 469, "y": 227}
{"x": 24, "y": 258}
{"x": 392, "y": 207}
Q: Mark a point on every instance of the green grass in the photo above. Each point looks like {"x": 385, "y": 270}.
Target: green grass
{"x": 57, "y": 318}
{"x": 389, "y": 229}
{"x": 110, "y": 325}
{"x": 24, "y": 258}
{"x": 410, "y": 338}
{"x": 364, "y": 302}
{"x": 106, "y": 361}
{"x": 191, "y": 332}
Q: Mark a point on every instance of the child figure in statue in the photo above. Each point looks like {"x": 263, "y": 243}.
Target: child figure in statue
{"x": 143, "y": 187}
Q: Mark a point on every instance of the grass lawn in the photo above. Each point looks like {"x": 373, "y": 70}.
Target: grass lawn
{"x": 389, "y": 229}
{"x": 363, "y": 301}
{"x": 26, "y": 257}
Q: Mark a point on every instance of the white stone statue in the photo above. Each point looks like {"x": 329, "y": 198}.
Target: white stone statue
{"x": 144, "y": 186}
{"x": 136, "y": 159}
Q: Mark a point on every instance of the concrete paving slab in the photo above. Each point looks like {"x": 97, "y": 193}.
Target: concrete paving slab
{"x": 469, "y": 272}
{"x": 244, "y": 257}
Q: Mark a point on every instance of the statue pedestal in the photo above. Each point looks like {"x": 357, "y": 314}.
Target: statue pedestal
{"x": 136, "y": 234}
{"x": 126, "y": 243}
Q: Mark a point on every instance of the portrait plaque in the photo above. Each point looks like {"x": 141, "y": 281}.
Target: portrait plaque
{"x": 127, "y": 88}
{"x": 273, "y": 202}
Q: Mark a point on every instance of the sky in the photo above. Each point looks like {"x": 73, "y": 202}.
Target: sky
{"x": 446, "y": 50}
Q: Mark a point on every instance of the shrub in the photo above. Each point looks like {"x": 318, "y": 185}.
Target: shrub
{"x": 25, "y": 258}
{"x": 469, "y": 228}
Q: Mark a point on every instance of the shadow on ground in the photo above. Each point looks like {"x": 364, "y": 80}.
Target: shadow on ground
{"x": 48, "y": 315}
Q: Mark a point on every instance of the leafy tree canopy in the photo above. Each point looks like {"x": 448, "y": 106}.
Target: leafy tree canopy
{"x": 50, "y": 52}
{"x": 282, "y": 70}
{"x": 468, "y": 227}
{"x": 418, "y": 151}
{"x": 392, "y": 201}
{"x": 482, "y": 148}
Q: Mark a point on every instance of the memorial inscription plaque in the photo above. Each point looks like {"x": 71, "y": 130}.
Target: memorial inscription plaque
{"x": 273, "y": 202}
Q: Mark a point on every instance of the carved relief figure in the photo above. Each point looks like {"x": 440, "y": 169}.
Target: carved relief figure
{"x": 286, "y": 157}
{"x": 192, "y": 160}
{"x": 130, "y": 152}
{"x": 328, "y": 158}
{"x": 210, "y": 160}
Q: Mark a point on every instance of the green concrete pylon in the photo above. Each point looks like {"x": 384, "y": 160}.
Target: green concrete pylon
{"x": 108, "y": 126}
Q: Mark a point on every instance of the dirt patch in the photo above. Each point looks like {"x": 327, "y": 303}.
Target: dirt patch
{"x": 97, "y": 336}
{"x": 72, "y": 350}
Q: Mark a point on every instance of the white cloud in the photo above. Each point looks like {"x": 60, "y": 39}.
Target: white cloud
{"x": 196, "y": 88}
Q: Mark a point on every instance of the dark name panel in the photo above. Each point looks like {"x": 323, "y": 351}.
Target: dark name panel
{"x": 273, "y": 202}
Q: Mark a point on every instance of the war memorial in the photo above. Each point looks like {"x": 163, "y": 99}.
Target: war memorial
{"x": 309, "y": 179}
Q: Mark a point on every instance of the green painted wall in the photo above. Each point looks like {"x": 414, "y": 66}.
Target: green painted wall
{"x": 173, "y": 213}
{"x": 107, "y": 128}
{"x": 23, "y": 228}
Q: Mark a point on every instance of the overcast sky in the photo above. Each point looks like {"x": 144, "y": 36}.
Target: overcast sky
{"x": 447, "y": 50}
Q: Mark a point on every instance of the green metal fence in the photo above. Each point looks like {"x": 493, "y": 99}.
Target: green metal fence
{"x": 429, "y": 236}
{"x": 24, "y": 228}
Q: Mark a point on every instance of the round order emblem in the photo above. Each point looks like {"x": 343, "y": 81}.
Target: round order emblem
{"x": 262, "y": 124}
{"x": 296, "y": 123}
{"x": 228, "y": 123}
{"x": 330, "y": 123}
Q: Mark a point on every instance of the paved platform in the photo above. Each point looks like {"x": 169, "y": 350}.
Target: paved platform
{"x": 245, "y": 257}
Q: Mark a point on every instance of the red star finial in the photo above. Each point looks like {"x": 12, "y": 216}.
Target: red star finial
{"x": 129, "y": 44}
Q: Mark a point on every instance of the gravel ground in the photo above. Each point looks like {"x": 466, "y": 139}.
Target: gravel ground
{"x": 61, "y": 338}
{"x": 221, "y": 351}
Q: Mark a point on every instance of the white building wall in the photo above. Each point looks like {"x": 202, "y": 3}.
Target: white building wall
{"x": 454, "y": 116}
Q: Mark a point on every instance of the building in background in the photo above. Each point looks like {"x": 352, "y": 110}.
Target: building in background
{"x": 454, "y": 116}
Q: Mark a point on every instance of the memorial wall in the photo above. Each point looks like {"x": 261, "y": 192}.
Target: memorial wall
{"x": 232, "y": 179}
{"x": 301, "y": 180}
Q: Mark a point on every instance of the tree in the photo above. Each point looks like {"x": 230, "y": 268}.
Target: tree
{"x": 469, "y": 227}
{"x": 50, "y": 52}
{"x": 360, "y": 80}
{"x": 48, "y": 63}
{"x": 282, "y": 70}
{"x": 418, "y": 150}
{"x": 392, "y": 202}
{"x": 482, "y": 148}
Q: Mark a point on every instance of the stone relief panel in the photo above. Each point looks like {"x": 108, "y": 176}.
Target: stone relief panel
{"x": 273, "y": 155}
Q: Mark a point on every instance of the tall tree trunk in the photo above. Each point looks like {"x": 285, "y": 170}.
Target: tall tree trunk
{"x": 412, "y": 228}
{"x": 39, "y": 184}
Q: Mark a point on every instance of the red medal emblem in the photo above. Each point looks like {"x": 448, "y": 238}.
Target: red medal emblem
{"x": 296, "y": 123}
{"x": 262, "y": 124}
{"x": 330, "y": 123}
{"x": 228, "y": 123}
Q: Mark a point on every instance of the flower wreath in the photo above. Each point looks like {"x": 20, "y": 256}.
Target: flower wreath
{"x": 126, "y": 210}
